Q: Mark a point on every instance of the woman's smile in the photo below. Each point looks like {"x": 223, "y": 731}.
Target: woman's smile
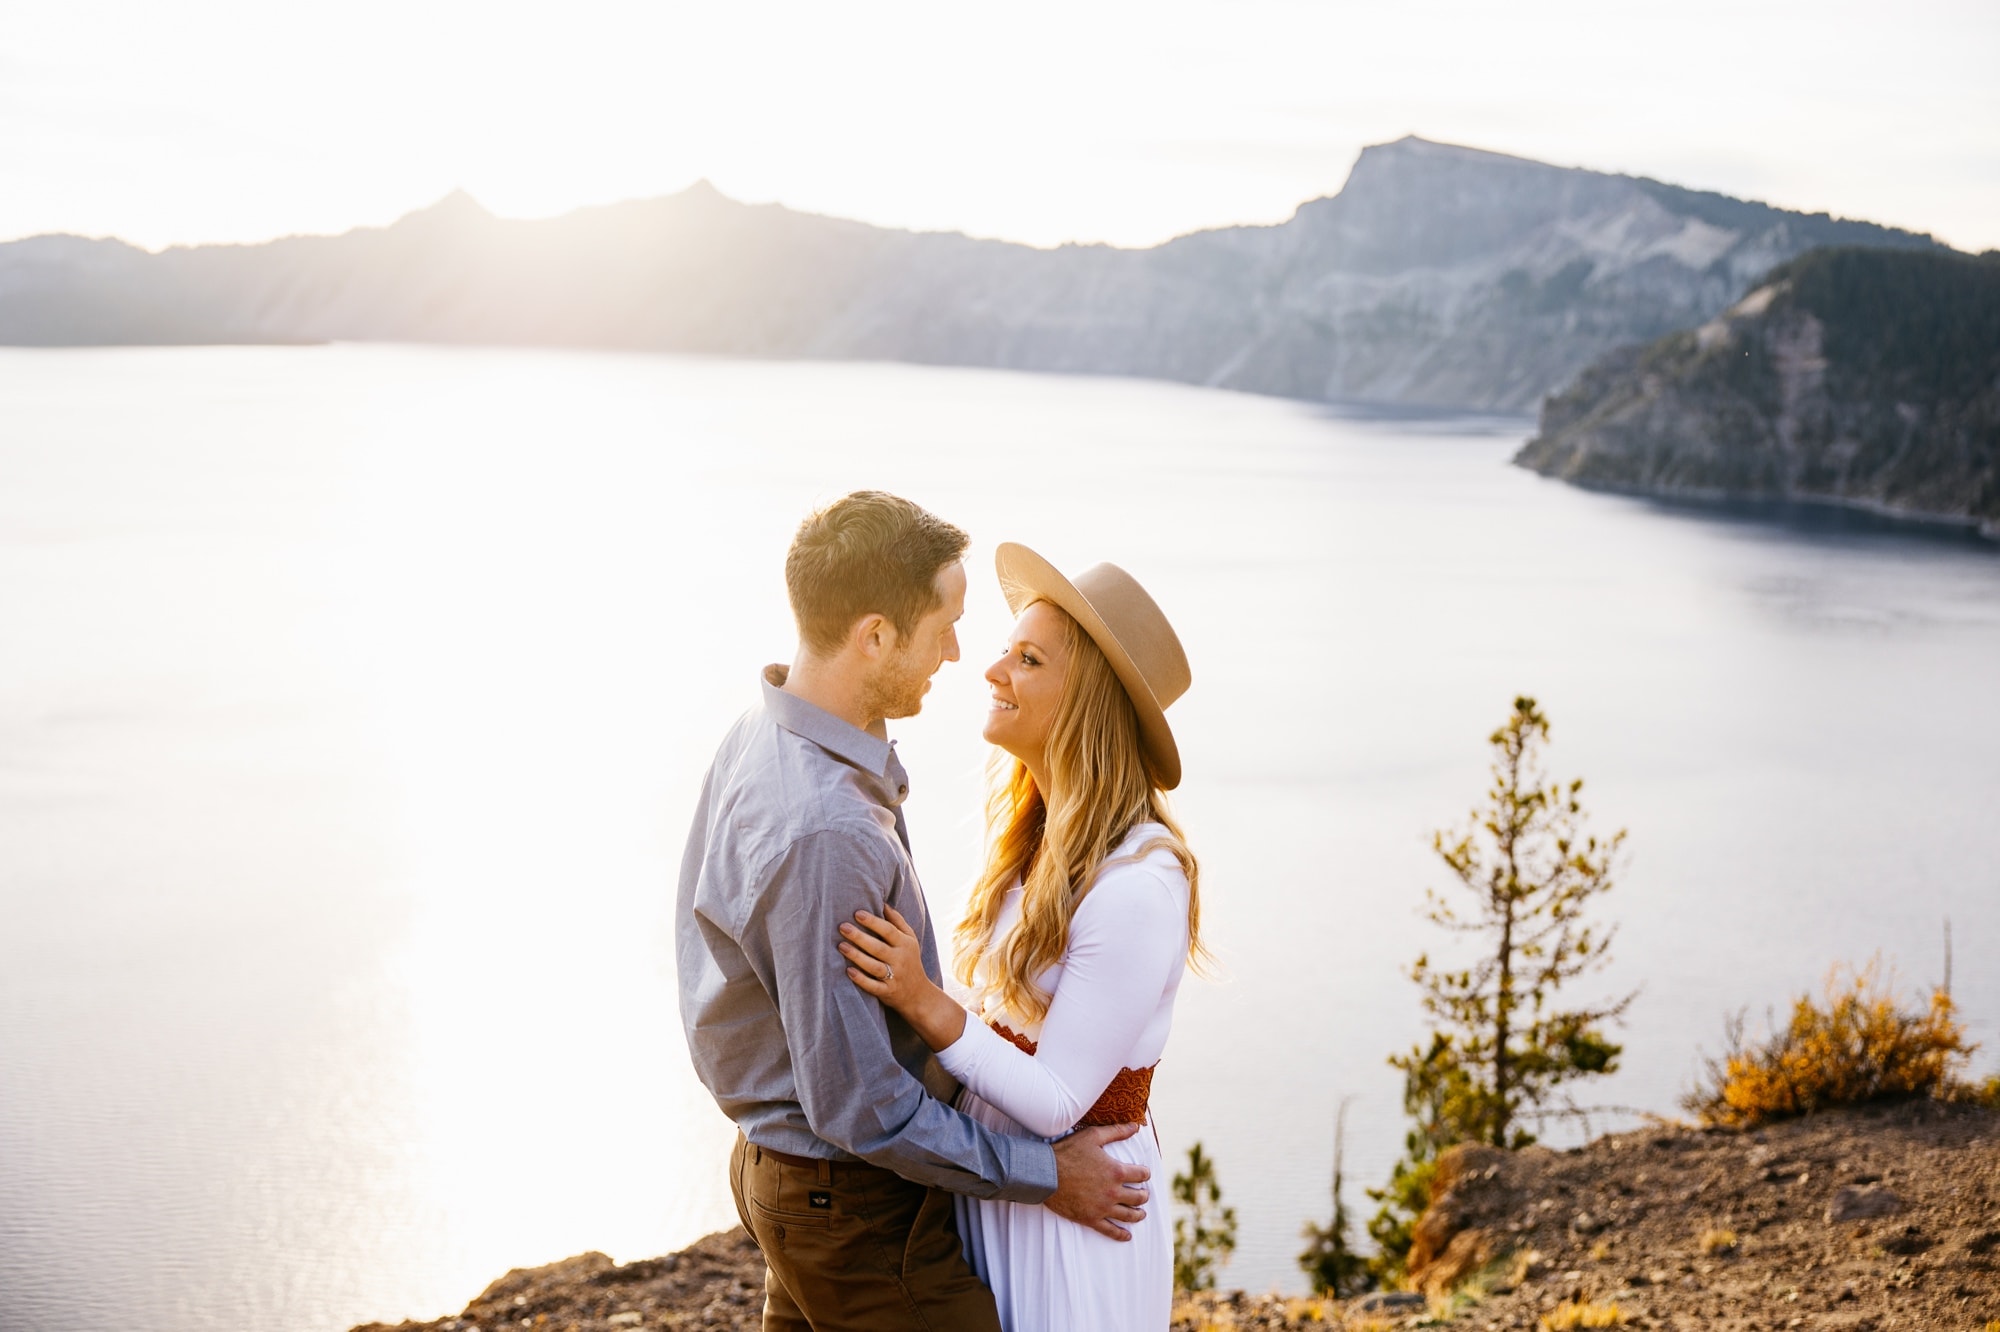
{"x": 1026, "y": 684}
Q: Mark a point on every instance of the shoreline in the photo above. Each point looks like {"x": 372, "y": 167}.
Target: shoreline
{"x": 1806, "y": 514}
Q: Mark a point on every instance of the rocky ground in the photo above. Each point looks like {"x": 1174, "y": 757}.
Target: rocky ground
{"x": 717, "y": 1282}
{"x": 1865, "y": 1219}
{"x": 1868, "y": 1219}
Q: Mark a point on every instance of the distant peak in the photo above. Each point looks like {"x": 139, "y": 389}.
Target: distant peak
{"x": 69, "y": 242}
{"x": 458, "y": 206}
{"x": 703, "y": 191}
{"x": 458, "y": 201}
{"x": 1413, "y": 145}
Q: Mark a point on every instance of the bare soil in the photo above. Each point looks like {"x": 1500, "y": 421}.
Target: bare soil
{"x": 1641, "y": 1221}
{"x": 717, "y": 1282}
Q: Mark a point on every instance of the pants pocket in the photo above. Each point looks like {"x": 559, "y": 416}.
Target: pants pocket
{"x": 772, "y": 1216}
{"x": 933, "y": 1240}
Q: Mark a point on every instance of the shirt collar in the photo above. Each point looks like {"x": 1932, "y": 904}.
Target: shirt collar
{"x": 841, "y": 739}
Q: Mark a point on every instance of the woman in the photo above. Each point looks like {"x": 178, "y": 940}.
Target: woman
{"x": 1075, "y": 939}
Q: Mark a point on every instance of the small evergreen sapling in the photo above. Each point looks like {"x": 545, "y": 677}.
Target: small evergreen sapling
{"x": 1205, "y": 1238}
{"x": 1329, "y": 1259}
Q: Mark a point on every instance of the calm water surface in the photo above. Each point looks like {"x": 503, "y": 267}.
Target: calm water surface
{"x": 352, "y": 702}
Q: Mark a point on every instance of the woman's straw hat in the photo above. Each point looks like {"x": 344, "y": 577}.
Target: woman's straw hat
{"x": 1127, "y": 626}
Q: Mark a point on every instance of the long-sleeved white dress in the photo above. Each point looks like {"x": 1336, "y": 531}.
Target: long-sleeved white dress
{"x": 1113, "y": 1004}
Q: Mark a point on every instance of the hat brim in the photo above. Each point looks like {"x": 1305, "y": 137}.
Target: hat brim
{"x": 1025, "y": 578}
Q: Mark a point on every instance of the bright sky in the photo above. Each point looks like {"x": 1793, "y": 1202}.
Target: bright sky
{"x": 221, "y": 120}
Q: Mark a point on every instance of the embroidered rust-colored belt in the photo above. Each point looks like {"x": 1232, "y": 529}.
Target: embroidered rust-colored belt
{"x": 1123, "y": 1102}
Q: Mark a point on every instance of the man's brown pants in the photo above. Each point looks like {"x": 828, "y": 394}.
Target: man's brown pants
{"x": 851, "y": 1247}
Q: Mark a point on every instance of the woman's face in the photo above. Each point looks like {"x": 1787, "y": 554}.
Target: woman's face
{"x": 1027, "y": 684}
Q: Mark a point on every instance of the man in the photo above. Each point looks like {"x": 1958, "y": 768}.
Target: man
{"x": 848, "y": 1149}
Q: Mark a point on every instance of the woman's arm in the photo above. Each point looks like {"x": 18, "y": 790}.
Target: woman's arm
{"x": 1127, "y": 942}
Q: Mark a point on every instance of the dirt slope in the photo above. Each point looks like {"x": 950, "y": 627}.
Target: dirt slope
{"x": 1865, "y": 1219}
{"x": 1870, "y": 1219}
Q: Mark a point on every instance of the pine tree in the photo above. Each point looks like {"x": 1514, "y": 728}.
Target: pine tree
{"x": 1501, "y": 1051}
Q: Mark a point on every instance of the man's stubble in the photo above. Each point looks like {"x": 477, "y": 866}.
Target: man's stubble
{"x": 897, "y": 689}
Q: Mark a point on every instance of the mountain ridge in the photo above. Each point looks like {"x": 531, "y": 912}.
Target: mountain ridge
{"x": 1438, "y": 275}
{"x": 1864, "y": 378}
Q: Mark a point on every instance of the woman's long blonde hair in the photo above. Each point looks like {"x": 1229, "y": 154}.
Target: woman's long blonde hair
{"x": 1055, "y": 843}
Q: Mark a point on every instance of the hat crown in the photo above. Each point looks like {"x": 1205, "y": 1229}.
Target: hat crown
{"x": 1141, "y": 628}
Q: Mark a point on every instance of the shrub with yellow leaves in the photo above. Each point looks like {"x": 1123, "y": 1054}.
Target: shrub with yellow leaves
{"x": 1855, "y": 1044}
{"x": 1582, "y": 1313}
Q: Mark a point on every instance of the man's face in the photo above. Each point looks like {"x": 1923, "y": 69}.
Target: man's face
{"x": 904, "y": 674}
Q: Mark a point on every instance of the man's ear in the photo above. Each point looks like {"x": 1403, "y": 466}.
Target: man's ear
{"x": 872, "y": 635}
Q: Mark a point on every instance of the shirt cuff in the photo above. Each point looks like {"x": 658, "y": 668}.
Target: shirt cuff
{"x": 1031, "y": 1173}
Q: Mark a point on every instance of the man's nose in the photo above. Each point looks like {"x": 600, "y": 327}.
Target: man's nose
{"x": 951, "y": 645}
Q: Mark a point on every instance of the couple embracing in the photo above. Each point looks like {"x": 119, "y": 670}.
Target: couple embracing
{"x": 902, "y": 1162}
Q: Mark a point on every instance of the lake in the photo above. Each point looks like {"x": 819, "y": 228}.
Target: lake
{"x": 353, "y": 701}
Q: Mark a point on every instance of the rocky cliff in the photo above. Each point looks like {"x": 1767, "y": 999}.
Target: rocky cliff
{"x": 1887, "y": 1216}
{"x": 1438, "y": 275}
{"x": 1858, "y": 377}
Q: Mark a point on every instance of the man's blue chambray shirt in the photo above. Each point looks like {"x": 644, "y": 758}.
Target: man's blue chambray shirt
{"x": 800, "y": 825}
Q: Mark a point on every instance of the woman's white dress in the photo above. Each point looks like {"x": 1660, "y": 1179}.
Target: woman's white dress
{"x": 1113, "y": 1003}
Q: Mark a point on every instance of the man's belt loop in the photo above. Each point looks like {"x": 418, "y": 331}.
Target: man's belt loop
{"x": 825, "y": 1171}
